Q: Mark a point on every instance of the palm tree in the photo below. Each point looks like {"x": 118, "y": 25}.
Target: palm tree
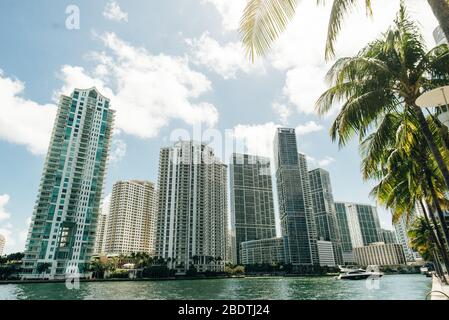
{"x": 264, "y": 20}
{"x": 387, "y": 75}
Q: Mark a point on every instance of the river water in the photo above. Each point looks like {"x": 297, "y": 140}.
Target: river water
{"x": 396, "y": 287}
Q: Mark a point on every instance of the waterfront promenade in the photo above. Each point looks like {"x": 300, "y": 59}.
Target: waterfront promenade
{"x": 440, "y": 291}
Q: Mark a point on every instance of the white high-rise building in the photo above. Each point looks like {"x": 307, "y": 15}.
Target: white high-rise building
{"x": 192, "y": 208}
{"x": 132, "y": 218}
{"x": 100, "y": 239}
{"x": 2, "y": 244}
{"x": 62, "y": 232}
{"x": 326, "y": 253}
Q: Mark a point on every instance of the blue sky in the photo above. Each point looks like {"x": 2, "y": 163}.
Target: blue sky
{"x": 168, "y": 66}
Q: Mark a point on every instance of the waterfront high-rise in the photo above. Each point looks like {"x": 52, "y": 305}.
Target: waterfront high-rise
{"x": 401, "y": 227}
{"x": 100, "y": 238}
{"x": 360, "y": 224}
{"x": 324, "y": 211}
{"x": 295, "y": 207}
{"x": 132, "y": 218}
{"x": 192, "y": 220}
{"x": 252, "y": 209}
{"x": 62, "y": 232}
{"x": 2, "y": 244}
{"x": 388, "y": 236}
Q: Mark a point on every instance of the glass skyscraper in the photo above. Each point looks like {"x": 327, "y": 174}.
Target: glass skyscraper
{"x": 362, "y": 222}
{"x": 324, "y": 210}
{"x": 192, "y": 223}
{"x": 295, "y": 207}
{"x": 62, "y": 232}
{"x": 252, "y": 209}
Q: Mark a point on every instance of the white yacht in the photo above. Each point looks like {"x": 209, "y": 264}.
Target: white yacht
{"x": 358, "y": 274}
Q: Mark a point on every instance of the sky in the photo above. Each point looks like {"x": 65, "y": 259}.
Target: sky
{"x": 172, "y": 69}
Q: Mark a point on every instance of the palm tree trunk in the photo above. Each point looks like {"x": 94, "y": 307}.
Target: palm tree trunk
{"x": 431, "y": 143}
{"x": 440, "y": 9}
{"x": 436, "y": 238}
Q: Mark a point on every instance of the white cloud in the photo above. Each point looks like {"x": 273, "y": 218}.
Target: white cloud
{"x": 283, "y": 111}
{"x": 147, "y": 91}
{"x": 326, "y": 161}
{"x": 15, "y": 237}
{"x": 112, "y": 11}
{"x": 106, "y": 204}
{"x": 24, "y": 121}
{"x": 308, "y": 127}
{"x": 225, "y": 60}
{"x": 4, "y": 215}
{"x": 257, "y": 139}
{"x": 230, "y": 11}
{"x": 118, "y": 150}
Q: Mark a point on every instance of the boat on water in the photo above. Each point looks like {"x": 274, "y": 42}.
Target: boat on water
{"x": 358, "y": 274}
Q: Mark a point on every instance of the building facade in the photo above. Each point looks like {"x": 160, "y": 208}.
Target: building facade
{"x": 100, "y": 238}
{"x": 252, "y": 209}
{"x": 132, "y": 218}
{"x": 324, "y": 211}
{"x": 326, "y": 253}
{"x": 359, "y": 223}
{"x": 192, "y": 208}
{"x": 264, "y": 251}
{"x": 388, "y": 236}
{"x": 295, "y": 207}
{"x": 2, "y": 244}
{"x": 345, "y": 234}
{"x": 61, "y": 237}
{"x": 401, "y": 229}
{"x": 380, "y": 254}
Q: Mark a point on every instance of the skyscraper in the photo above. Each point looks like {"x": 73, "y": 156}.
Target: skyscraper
{"x": 295, "y": 207}
{"x": 324, "y": 211}
{"x": 388, "y": 236}
{"x": 62, "y": 232}
{"x": 360, "y": 223}
{"x": 2, "y": 244}
{"x": 192, "y": 208}
{"x": 100, "y": 238}
{"x": 252, "y": 210}
{"x": 132, "y": 218}
{"x": 345, "y": 234}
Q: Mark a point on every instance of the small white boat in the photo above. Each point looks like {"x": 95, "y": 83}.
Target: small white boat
{"x": 357, "y": 274}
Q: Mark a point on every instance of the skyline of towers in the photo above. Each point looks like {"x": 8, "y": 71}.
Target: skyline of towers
{"x": 252, "y": 206}
{"x": 295, "y": 208}
{"x": 192, "y": 208}
{"x": 62, "y": 231}
{"x": 131, "y": 221}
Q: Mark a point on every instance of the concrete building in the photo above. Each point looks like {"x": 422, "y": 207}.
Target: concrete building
{"x": 388, "y": 236}
{"x": 252, "y": 209}
{"x": 132, "y": 218}
{"x": 295, "y": 206}
{"x": 401, "y": 229}
{"x": 326, "y": 253}
{"x": 270, "y": 251}
{"x": 324, "y": 211}
{"x": 380, "y": 254}
{"x": 64, "y": 221}
{"x": 192, "y": 208}
{"x": 100, "y": 238}
{"x": 2, "y": 244}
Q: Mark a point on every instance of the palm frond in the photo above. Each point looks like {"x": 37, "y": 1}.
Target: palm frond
{"x": 262, "y": 23}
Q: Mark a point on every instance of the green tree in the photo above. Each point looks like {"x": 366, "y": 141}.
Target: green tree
{"x": 264, "y": 20}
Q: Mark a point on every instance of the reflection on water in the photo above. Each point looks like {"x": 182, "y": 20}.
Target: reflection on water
{"x": 398, "y": 287}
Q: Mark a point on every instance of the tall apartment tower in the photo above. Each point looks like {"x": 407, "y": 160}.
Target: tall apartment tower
{"x": 252, "y": 209}
{"x": 100, "y": 238}
{"x": 295, "y": 206}
{"x": 192, "y": 222}
{"x": 2, "y": 244}
{"x": 324, "y": 211}
{"x": 62, "y": 231}
{"x": 132, "y": 218}
{"x": 362, "y": 222}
